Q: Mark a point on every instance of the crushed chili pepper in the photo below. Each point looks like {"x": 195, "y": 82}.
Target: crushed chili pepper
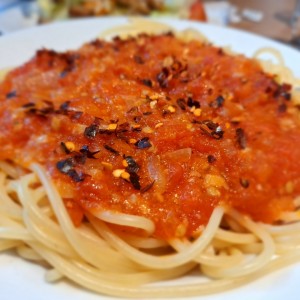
{"x": 198, "y": 115}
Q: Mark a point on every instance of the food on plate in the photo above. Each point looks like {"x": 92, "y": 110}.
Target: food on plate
{"x": 140, "y": 159}
{"x": 58, "y": 9}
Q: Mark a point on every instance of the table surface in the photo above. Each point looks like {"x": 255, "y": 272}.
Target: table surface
{"x": 271, "y": 26}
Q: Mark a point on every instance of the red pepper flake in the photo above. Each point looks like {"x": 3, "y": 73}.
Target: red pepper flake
{"x": 147, "y": 187}
{"x": 244, "y": 183}
{"x": 284, "y": 91}
{"x": 138, "y": 60}
{"x": 91, "y": 131}
{"x": 47, "y": 109}
{"x": 67, "y": 167}
{"x": 211, "y": 159}
{"x": 11, "y": 94}
{"x": 143, "y": 143}
{"x": 75, "y": 176}
{"x": 218, "y": 102}
{"x": 135, "y": 180}
{"x": 89, "y": 154}
{"x": 181, "y": 103}
{"x": 122, "y": 128}
{"x": 241, "y": 138}
{"x": 28, "y": 105}
{"x": 97, "y": 43}
{"x": 132, "y": 166}
{"x": 42, "y": 112}
{"x": 192, "y": 103}
{"x": 162, "y": 78}
{"x": 64, "y": 166}
{"x": 80, "y": 158}
{"x": 210, "y": 128}
{"x": 112, "y": 150}
{"x": 137, "y": 119}
{"x": 64, "y": 107}
{"x": 147, "y": 82}
{"x": 76, "y": 115}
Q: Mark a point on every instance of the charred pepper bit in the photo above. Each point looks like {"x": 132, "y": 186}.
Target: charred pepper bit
{"x": 89, "y": 154}
{"x": 64, "y": 166}
{"x": 147, "y": 82}
{"x": 181, "y": 103}
{"x": 135, "y": 180}
{"x": 143, "y": 143}
{"x": 211, "y": 159}
{"x": 137, "y": 119}
{"x": 130, "y": 164}
{"x": 244, "y": 183}
{"x": 241, "y": 138}
{"x": 80, "y": 158}
{"x": 67, "y": 167}
{"x": 191, "y": 103}
{"x": 147, "y": 187}
{"x": 77, "y": 177}
{"x": 162, "y": 78}
{"x": 91, "y": 131}
{"x": 112, "y": 150}
{"x": 28, "y": 105}
{"x": 218, "y": 102}
{"x": 64, "y": 107}
{"x": 11, "y": 94}
{"x": 284, "y": 91}
{"x": 210, "y": 128}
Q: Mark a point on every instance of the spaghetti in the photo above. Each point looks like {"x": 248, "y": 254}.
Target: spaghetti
{"x": 161, "y": 156}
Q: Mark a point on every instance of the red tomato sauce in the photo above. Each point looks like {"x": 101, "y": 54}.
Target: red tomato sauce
{"x": 156, "y": 127}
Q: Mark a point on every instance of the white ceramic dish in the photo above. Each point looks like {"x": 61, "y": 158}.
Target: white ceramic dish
{"x": 21, "y": 279}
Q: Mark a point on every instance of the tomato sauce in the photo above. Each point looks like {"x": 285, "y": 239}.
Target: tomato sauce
{"x": 156, "y": 127}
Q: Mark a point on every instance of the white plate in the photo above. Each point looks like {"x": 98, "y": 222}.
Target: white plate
{"x": 19, "y": 279}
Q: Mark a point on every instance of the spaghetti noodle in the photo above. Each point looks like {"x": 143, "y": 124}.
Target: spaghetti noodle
{"x": 150, "y": 166}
